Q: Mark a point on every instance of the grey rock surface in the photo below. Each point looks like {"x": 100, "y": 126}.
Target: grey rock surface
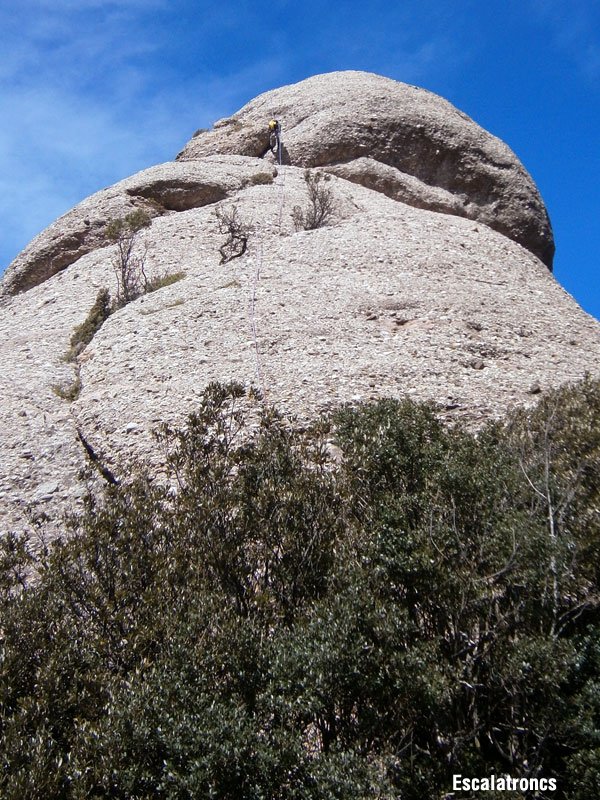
{"x": 167, "y": 187}
{"x": 435, "y": 149}
{"x": 389, "y": 299}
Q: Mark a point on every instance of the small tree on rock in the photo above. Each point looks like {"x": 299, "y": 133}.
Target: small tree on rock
{"x": 129, "y": 260}
{"x": 321, "y": 204}
{"x": 84, "y": 333}
{"x": 237, "y": 231}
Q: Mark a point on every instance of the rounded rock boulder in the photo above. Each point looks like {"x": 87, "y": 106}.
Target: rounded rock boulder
{"x": 406, "y": 142}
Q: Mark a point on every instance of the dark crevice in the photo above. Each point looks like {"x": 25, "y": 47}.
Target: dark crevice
{"x": 96, "y": 461}
{"x": 173, "y": 195}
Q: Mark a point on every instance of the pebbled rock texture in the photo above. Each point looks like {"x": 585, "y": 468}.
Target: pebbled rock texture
{"x": 167, "y": 187}
{"x": 436, "y": 156}
{"x": 390, "y": 298}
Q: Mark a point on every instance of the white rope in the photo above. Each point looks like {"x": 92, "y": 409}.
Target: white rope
{"x": 281, "y": 198}
{"x": 256, "y": 277}
{"x": 259, "y": 374}
{"x": 282, "y": 171}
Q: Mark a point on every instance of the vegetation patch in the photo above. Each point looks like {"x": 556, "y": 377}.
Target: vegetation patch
{"x": 84, "y": 333}
{"x": 320, "y": 207}
{"x": 130, "y": 259}
{"x": 236, "y": 230}
{"x": 68, "y": 391}
{"x": 146, "y": 312}
{"x": 259, "y": 179}
{"x": 274, "y": 623}
{"x": 132, "y": 281}
{"x": 161, "y": 281}
{"x": 234, "y": 283}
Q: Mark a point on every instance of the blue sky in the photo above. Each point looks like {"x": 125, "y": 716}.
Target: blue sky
{"x": 94, "y": 90}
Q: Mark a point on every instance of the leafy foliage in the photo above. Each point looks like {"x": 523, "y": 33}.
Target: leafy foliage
{"x": 267, "y": 622}
{"x": 129, "y": 261}
{"x": 161, "y": 281}
{"x": 320, "y": 206}
{"x": 84, "y": 333}
{"x": 132, "y": 282}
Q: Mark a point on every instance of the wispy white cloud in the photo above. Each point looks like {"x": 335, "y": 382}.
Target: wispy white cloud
{"x": 93, "y": 90}
{"x": 84, "y": 104}
{"x": 58, "y": 146}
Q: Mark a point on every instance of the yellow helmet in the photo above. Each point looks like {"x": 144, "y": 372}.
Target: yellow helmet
{"x": 272, "y": 124}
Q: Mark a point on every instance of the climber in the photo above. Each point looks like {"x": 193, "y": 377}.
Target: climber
{"x": 275, "y": 139}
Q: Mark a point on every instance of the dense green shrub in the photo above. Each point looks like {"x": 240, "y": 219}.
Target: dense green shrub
{"x": 270, "y": 623}
{"x": 84, "y": 333}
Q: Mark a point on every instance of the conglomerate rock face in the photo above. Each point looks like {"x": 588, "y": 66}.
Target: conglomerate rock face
{"x": 156, "y": 191}
{"x": 404, "y": 141}
{"x": 400, "y": 293}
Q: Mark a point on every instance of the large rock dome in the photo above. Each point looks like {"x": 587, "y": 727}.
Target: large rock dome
{"x": 430, "y": 279}
{"x": 406, "y": 142}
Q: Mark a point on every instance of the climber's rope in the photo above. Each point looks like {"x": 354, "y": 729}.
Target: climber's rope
{"x": 282, "y": 171}
{"x": 279, "y": 146}
{"x": 281, "y": 198}
{"x": 256, "y": 278}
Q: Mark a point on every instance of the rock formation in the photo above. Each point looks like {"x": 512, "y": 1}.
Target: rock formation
{"x": 431, "y": 279}
{"x": 397, "y": 139}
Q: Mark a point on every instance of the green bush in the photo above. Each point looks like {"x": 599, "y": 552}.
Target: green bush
{"x": 84, "y": 333}
{"x": 101, "y": 310}
{"x": 320, "y": 207}
{"x": 269, "y": 623}
{"x": 129, "y": 262}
